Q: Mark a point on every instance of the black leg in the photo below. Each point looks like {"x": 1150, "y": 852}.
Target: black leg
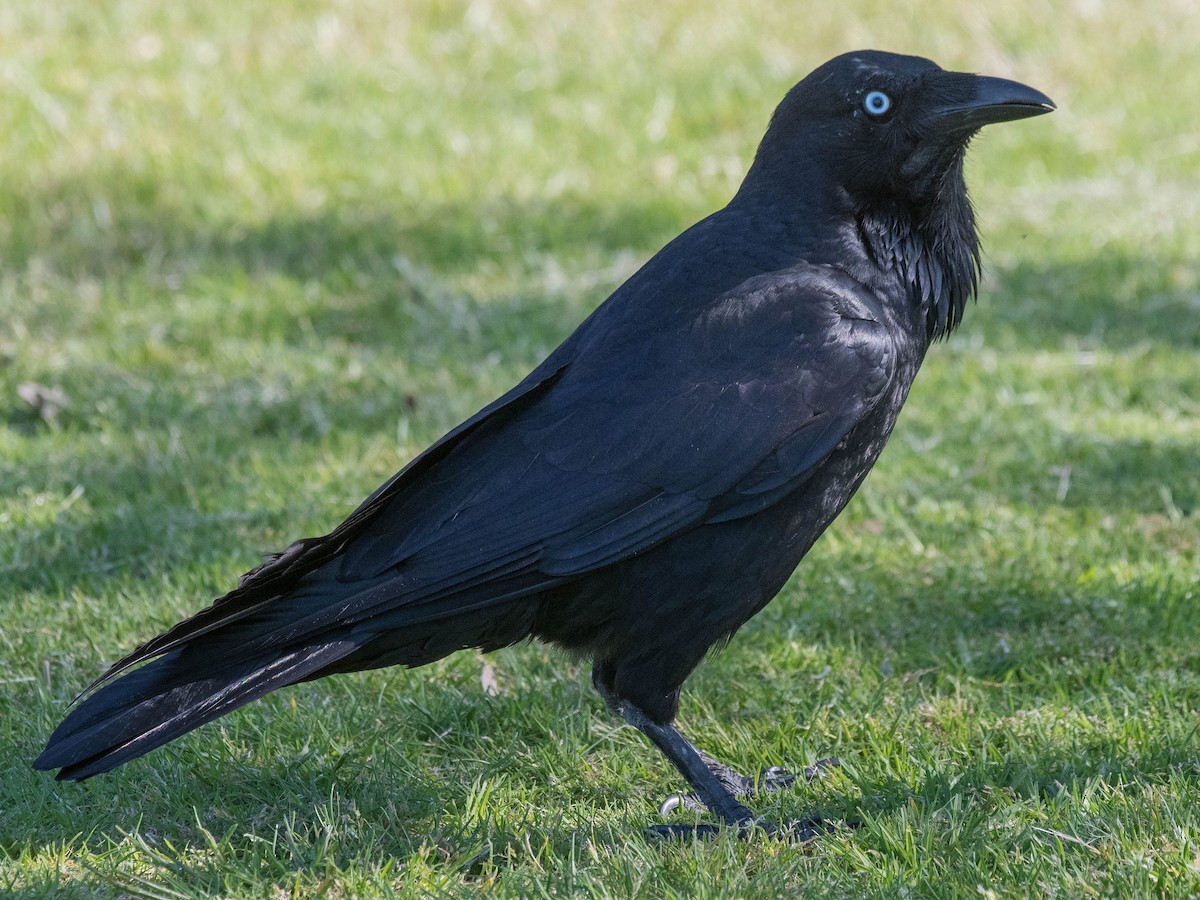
{"x": 717, "y": 787}
{"x": 688, "y": 760}
{"x": 711, "y": 782}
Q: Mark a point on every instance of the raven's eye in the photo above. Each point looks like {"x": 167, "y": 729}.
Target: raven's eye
{"x": 877, "y": 103}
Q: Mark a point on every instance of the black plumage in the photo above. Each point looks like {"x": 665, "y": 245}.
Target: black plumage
{"x": 654, "y": 482}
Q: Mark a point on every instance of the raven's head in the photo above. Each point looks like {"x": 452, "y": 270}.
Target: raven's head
{"x": 883, "y": 136}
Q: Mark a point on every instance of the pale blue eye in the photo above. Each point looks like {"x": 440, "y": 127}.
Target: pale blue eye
{"x": 877, "y": 103}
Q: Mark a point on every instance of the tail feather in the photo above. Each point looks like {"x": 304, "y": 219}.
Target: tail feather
{"x": 133, "y": 709}
{"x": 298, "y": 617}
{"x": 167, "y": 698}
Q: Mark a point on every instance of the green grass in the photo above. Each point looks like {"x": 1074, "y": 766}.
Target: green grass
{"x": 267, "y": 252}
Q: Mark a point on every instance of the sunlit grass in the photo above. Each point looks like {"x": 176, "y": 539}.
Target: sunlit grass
{"x": 253, "y": 257}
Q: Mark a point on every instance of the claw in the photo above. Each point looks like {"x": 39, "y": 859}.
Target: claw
{"x": 675, "y": 801}
{"x": 688, "y": 802}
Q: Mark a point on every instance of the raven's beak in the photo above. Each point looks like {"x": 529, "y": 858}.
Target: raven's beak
{"x": 987, "y": 100}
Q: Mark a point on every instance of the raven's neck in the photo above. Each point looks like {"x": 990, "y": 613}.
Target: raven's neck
{"x": 935, "y": 256}
{"x": 927, "y": 249}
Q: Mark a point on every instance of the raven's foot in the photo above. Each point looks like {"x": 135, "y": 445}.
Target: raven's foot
{"x": 768, "y": 781}
{"x": 800, "y": 831}
{"x": 717, "y": 786}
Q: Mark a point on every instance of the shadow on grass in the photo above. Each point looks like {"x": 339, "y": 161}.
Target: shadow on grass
{"x": 1089, "y": 472}
{"x": 978, "y": 791}
{"x": 1152, "y": 477}
{"x": 151, "y": 229}
{"x": 1112, "y": 301}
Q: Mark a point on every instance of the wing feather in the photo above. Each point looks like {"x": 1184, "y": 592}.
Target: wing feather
{"x": 586, "y": 463}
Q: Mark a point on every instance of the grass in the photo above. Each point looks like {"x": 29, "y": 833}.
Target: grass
{"x": 258, "y": 255}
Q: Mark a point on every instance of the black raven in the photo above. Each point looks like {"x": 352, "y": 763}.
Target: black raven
{"x": 654, "y": 482}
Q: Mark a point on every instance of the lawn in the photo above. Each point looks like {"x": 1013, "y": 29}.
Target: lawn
{"x": 254, "y": 256}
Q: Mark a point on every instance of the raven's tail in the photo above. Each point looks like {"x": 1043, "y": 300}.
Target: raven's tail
{"x": 170, "y": 696}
